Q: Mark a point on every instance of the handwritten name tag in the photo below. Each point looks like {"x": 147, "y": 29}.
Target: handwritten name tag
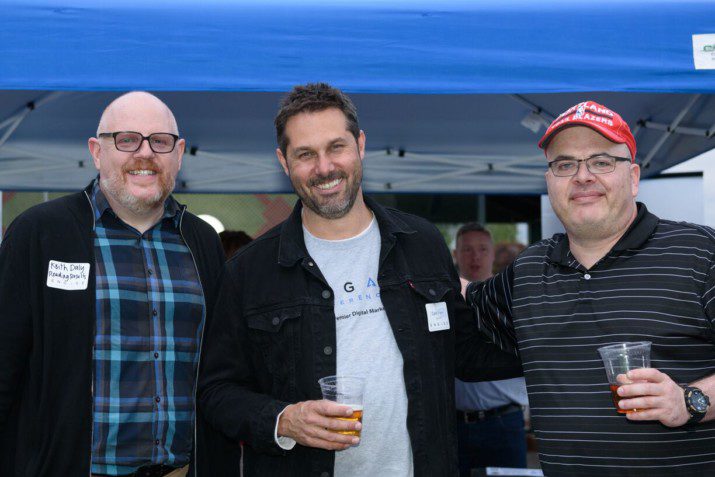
{"x": 67, "y": 276}
{"x": 437, "y": 317}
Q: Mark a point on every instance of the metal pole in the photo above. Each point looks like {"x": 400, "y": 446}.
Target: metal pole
{"x": 674, "y": 124}
{"x": 482, "y": 209}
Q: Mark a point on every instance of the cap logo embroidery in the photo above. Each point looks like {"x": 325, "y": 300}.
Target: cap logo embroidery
{"x": 579, "y": 111}
{"x": 597, "y": 117}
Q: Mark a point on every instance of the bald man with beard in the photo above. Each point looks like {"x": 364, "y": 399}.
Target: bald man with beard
{"x": 104, "y": 298}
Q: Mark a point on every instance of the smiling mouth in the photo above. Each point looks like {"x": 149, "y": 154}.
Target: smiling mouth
{"x": 328, "y": 185}
{"x": 142, "y": 172}
{"x": 587, "y": 195}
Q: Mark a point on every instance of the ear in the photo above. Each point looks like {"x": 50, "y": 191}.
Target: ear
{"x": 454, "y": 255}
{"x": 282, "y": 160}
{"x": 635, "y": 178}
{"x": 361, "y": 144}
{"x": 180, "y": 149}
{"x": 94, "y": 149}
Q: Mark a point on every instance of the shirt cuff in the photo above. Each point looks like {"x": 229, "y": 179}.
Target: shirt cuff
{"x": 285, "y": 443}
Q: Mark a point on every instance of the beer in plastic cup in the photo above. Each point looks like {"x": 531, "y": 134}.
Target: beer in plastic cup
{"x": 620, "y": 358}
{"x": 345, "y": 390}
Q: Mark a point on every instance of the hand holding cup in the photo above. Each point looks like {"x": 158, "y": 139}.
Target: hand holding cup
{"x": 322, "y": 424}
{"x": 347, "y": 390}
{"x": 619, "y": 359}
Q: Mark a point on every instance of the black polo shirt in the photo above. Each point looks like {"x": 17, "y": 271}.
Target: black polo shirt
{"x": 657, "y": 284}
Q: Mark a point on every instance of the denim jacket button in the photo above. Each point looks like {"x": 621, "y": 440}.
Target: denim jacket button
{"x": 328, "y": 350}
{"x": 326, "y": 294}
{"x": 432, "y": 292}
{"x": 275, "y": 320}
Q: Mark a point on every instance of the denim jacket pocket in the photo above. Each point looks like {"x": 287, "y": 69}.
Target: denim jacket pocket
{"x": 273, "y": 321}
{"x": 275, "y": 335}
{"x": 429, "y": 292}
{"x": 432, "y": 291}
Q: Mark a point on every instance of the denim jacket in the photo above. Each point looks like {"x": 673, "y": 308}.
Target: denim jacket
{"x": 273, "y": 337}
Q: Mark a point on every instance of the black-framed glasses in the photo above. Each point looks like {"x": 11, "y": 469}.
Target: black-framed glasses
{"x": 131, "y": 141}
{"x": 597, "y": 164}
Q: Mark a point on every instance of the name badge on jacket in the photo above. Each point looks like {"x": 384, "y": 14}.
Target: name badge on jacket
{"x": 67, "y": 276}
{"x": 437, "y": 317}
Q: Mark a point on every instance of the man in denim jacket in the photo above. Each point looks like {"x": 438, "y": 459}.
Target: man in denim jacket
{"x": 347, "y": 287}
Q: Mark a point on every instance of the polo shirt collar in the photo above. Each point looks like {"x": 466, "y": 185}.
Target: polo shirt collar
{"x": 637, "y": 234}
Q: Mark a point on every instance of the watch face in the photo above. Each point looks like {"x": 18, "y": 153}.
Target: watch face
{"x": 698, "y": 401}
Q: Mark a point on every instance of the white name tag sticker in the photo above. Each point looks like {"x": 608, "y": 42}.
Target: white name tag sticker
{"x": 67, "y": 276}
{"x": 437, "y": 317}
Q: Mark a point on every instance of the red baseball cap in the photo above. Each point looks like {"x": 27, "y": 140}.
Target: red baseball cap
{"x": 597, "y": 117}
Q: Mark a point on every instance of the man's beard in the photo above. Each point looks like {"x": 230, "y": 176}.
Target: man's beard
{"x": 333, "y": 207}
{"x": 115, "y": 186}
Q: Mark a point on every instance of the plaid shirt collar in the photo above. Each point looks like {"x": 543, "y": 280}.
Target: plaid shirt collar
{"x": 100, "y": 204}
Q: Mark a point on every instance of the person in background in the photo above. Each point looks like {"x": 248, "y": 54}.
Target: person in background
{"x": 233, "y": 240}
{"x": 505, "y": 253}
{"x": 490, "y": 414}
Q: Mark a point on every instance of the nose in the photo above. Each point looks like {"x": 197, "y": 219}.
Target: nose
{"x": 144, "y": 149}
{"x": 324, "y": 165}
{"x": 582, "y": 173}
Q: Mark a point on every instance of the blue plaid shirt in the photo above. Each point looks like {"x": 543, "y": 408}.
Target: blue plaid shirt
{"x": 150, "y": 314}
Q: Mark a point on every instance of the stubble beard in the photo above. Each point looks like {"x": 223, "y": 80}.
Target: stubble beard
{"x": 332, "y": 208}
{"x": 115, "y": 186}
{"x": 594, "y": 228}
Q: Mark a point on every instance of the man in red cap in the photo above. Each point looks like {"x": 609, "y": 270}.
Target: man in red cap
{"x": 618, "y": 274}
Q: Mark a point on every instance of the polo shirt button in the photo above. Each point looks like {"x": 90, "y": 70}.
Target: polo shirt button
{"x": 587, "y": 276}
{"x": 326, "y": 294}
{"x": 156, "y": 442}
{"x": 310, "y": 264}
{"x": 156, "y": 355}
{"x": 328, "y": 350}
{"x": 275, "y": 320}
{"x": 432, "y": 292}
{"x": 150, "y": 271}
{"x": 154, "y": 312}
{"x": 157, "y": 399}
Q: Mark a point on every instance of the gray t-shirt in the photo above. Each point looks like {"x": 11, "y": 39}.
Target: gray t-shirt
{"x": 366, "y": 347}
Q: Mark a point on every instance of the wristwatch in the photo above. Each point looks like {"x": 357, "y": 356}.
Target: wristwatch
{"x": 697, "y": 404}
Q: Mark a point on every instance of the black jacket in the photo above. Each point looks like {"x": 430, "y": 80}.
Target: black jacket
{"x": 273, "y": 337}
{"x": 47, "y": 336}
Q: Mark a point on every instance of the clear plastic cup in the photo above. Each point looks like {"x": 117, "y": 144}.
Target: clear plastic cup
{"x": 620, "y": 358}
{"x": 346, "y": 390}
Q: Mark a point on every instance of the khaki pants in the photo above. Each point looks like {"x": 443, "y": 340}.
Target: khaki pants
{"x": 181, "y": 472}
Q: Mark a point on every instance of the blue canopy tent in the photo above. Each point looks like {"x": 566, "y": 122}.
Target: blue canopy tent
{"x": 453, "y": 94}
